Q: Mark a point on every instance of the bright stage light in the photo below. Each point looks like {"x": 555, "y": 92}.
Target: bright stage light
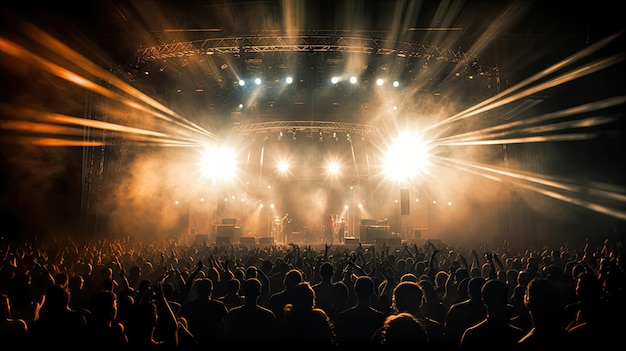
{"x": 333, "y": 168}
{"x": 283, "y": 166}
{"x": 406, "y": 157}
{"x": 219, "y": 163}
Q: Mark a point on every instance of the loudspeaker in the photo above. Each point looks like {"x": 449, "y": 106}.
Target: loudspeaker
{"x": 247, "y": 240}
{"x": 229, "y": 220}
{"x": 222, "y": 240}
{"x": 404, "y": 202}
{"x": 370, "y": 233}
{"x": 368, "y": 222}
{"x": 229, "y": 230}
{"x": 268, "y": 240}
{"x": 351, "y": 240}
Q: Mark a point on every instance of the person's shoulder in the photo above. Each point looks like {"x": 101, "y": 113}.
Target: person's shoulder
{"x": 16, "y": 327}
{"x": 348, "y": 311}
{"x": 457, "y": 305}
{"x": 320, "y": 313}
{"x": 218, "y": 303}
{"x": 265, "y": 310}
{"x": 431, "y": 323}
{"x": 190, "y": 305}
{"x": 377, "y": 312}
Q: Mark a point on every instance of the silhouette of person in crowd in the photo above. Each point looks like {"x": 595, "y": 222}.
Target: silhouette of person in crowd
{"x": 232, "y": 298}
{"x": 359, "y": 323}
{"x": 403, "y": 330}
{"x": 303, "y": 322}
{"x": 13, "y": 331}
{"x": 407, "y": 298}
{"x": 494, "y": 332}
{"x": 543, "y": 301}
{"x": 104, "y": 330}
{"x": 58, "y": 326}
{"x": 205, "y": 315}
{"x": 154, "y": 324}
{"x": 250, "y": 323}
{"x": 323, "y": 289}
{"x": 277, "y": 301}
{"x": 465, "y": 314}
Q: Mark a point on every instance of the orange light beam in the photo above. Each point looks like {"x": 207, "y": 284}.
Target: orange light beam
{"x": 37, "y": 61}
{"x": 492, "y": 102}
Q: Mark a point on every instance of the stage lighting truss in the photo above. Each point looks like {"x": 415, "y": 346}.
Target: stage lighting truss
{"x": 316, "y": 41}
{"x": 309, "y": 128}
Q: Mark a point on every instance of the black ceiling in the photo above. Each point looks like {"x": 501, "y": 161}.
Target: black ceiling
{"x": 431, "y": 47}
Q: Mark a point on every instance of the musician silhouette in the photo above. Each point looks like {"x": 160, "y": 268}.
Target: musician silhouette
{"x": 342, "y": 230}
{"x": 286, "y": 227}
{"x": 330, "y": 230}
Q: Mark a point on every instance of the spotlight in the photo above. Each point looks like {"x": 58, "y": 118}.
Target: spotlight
{"x": 348, "y": 137}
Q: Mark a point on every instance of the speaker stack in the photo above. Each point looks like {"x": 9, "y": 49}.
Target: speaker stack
{"x": 230, "y": 231}
{"x": 370, "y": 233}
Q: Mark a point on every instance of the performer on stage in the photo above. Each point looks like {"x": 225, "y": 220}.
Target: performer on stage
{"x": 286, "y": 227}
{"x": 330, "y": 230}
{"x": 342, "y": 230}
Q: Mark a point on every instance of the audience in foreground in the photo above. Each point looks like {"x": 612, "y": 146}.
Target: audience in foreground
{"x": 166, "y": 295}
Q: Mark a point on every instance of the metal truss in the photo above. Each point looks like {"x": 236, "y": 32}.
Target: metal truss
{"x": 301, "y": 43}
{"x": 307, "y": 126}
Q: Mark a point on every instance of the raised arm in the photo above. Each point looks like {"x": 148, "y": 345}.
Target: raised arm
{"x": 432, "y": 265}
{"x": 166, "y": 323}
{"x": 186, "y": 289}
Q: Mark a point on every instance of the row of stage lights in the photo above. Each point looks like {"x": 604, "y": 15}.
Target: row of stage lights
{"x": 261, "y": 204}
{"x": 334, "y": 80}
{"x": 334, "y": 135}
